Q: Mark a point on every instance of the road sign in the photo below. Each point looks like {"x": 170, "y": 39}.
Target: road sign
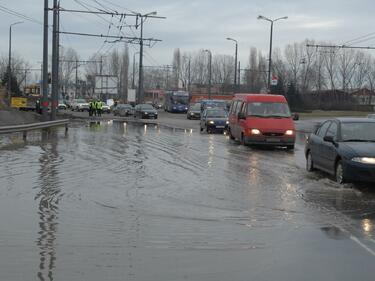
{"x": 274, "y": 80}
{"x": 19, "y": 102}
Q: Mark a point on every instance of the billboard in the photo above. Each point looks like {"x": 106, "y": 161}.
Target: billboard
{"x": 106, "y": 85}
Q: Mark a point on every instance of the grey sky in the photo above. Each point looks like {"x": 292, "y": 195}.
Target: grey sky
{"x": 194, "y": 25}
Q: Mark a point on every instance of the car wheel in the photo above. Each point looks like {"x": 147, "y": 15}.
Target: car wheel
{"x": 309, "y": 162}
{"x": 201, "y": 129}
{"x": 339, "y": 173}
{"x": 242, "y": 140}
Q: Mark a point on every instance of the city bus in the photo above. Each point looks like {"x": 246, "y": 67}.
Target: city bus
{"x": 176, "y": 101}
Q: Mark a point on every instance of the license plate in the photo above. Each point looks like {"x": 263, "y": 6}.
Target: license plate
{"x": 220, "y": 127}
{"x": 272, "y": 140}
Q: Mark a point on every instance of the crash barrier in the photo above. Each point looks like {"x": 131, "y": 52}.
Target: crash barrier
{"x": 33, "y": 126}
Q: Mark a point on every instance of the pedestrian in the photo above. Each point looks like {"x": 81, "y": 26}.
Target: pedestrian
{"x": 91, "y": 108}
{"x": 99, "y": 107}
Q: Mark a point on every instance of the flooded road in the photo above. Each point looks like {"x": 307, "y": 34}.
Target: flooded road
{"x": 114, "y": 201}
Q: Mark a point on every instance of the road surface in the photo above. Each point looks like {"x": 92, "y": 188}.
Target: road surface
{"x": 116, "y": 201}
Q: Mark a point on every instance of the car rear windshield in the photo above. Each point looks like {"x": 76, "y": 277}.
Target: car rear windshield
{"x": 358, "y": 131}
{"x": 268, "y": 109}
{"x": 218, "y": 113}
{"x": 196, "y": 106}
{"x": 146, "y": 106}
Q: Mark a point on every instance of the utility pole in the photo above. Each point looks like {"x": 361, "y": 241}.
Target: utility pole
{"x": 239, "y": 74}
{"x": 189, "y": 76}
{"x": 55, "y": 62}
{"x": 10, "y": 62}
{"x": 209, "y": 72}
{"x": 140, "y": 78}
{"x": 44, "y": 78}
{"x": 76, "y": 83}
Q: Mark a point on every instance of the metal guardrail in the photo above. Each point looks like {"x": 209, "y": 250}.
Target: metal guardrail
{"x": 33, "y": 126}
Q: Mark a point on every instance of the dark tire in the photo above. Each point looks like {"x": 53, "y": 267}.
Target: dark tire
{"x": 242, "y": 140}
{"x": 290, "y": 147}
{"x": 230, "y": 135}
{"x": 339, "y": 173}
{"x": 201, "y": 130}
{"x": 309, "y": 162}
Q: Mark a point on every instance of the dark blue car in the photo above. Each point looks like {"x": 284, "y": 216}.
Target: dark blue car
{"x": 344, "y": 148}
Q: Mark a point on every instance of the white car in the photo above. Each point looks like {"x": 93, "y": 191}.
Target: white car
{"x": 80, "y": 105}
{"x": 106, "y": 108}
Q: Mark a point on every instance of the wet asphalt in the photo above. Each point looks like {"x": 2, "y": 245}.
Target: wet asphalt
{"x": 118, "y": 201}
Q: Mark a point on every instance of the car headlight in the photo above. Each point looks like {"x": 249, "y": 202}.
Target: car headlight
{"x": 146, "y": 112}
{"x": 364, "y": 160}
{"x": 289, "y": 132}
{"x": 255, "y": 132}
{"x": 191, "y": 113}
{"x": 227, "y": 122}
{"x": 211, "y": 122}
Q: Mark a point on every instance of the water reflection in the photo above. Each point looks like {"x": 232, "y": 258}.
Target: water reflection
{"x": 367, "y": 226}
{"x": 48, "y": 200}
{"x": 334, "y": 232}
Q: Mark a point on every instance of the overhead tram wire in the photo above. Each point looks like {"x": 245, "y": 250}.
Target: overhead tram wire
{"x": 19, "y": 15}
{"x": 351, "y": 42}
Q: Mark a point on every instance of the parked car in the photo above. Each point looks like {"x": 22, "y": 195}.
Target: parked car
{"x": 214, "y": 120}
{"x": 61, "y": 105}
{"x": 145, "y": 111}
{"x": 106, "y": 108}
{"x": 261, "y": 119}
{"x": 344, "y": 148}
{"x": 194, "y": 111}
{"x": 205, "y": 104}
{"x": 123, "y": 110}
{"x": 80, "y": 105}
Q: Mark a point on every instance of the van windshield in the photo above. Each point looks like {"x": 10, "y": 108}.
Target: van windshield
{"x": 268, "y": 109}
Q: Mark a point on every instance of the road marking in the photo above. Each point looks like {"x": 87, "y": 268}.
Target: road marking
{"x": 356, "y": 240}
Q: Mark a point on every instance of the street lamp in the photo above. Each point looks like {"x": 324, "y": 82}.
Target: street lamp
{"x": 260, "y": 17}
{"x": 10, "y": 61}
{"x": 235, "y": 60}
{"x": 209, "y": 72}
{"x": 140, "y": 79}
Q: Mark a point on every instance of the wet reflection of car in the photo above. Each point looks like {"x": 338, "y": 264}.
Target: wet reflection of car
{"x": 214, "y": 120}
{"x": 145, "y": 111}
{"x": 123, "y": 110}
{"x": 194, "y": 111}
{"x": 345, "y": 148}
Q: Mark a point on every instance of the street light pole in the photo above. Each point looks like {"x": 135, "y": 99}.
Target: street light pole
{"x": 209, "y": 72}
{"x": 235, "y": 60}
{"x": 260, "y": 17}
{"x": 10, "y": 62}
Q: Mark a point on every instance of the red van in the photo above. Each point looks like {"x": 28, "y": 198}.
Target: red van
{"x": 261, "y": 119}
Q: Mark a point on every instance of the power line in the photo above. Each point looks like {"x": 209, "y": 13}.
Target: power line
{"x": 351, "y": 42}
{"x": 17, "y": 14}
{"x": 340, "y": 47}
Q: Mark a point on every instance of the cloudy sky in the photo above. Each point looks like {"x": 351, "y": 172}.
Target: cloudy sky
{"x": 193, "y": 25}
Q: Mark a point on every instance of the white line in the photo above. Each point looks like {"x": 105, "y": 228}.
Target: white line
{"x": 356, "y": 240}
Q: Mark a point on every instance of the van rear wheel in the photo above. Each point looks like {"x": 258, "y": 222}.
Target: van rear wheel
{"x": 230, "y": 135}
{"x": 242, "y": 140}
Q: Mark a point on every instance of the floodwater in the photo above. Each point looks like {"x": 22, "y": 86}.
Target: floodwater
{"x": 113, "y": 201}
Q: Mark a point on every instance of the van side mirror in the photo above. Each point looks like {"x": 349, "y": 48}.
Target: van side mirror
{"x": 241, "y": 115}
{"x": 295, "y": 116}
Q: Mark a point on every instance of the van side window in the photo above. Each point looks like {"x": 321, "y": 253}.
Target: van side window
{"x": 244, "y": 108}
{"x": 231, "y": 106}
{"x": 238, "y": 107}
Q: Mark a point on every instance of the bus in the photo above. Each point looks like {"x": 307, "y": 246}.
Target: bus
{"x": 176, "y": 101}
